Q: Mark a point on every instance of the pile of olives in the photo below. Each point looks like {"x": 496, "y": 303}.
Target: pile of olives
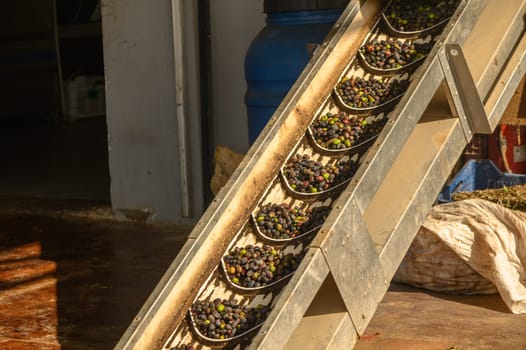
{"x": 343, "y": 130}
{"x": 393, "y": 54}
{"x": 419, "y": 15}
{"x": 223, "y": 319}
{"x": 254, "y": 266}
{"x": 358, "y": 92}
{"x": 309, "y": 176}
{"x": 280, "y": 221}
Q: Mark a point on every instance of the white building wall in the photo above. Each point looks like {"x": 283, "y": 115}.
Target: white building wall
{"x": 141, "y": 110}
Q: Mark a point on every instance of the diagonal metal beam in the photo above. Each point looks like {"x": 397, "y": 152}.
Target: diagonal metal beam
{"x": 295, "y": 299}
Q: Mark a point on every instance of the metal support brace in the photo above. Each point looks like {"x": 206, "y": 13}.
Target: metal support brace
{"x": 465, "y": 99}
{"x": 355, "y": 265}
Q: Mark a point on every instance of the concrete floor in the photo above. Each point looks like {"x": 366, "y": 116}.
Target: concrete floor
{"x": 70, "y": 277}
{"x": 412, "y": 319}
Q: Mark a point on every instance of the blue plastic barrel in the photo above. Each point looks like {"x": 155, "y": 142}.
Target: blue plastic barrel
{"x": 276, "y": 58}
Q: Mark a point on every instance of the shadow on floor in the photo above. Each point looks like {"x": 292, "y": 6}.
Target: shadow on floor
{"x": 491, "y": 302}
{"x": 74, "y": 282}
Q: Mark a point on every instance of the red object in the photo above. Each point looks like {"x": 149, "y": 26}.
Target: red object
{"x": 507, "y": 148}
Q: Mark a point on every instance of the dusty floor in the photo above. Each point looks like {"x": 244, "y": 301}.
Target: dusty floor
{"x": 411, "y": 319}
{"x": 74, "y": 281}
{"x": 71, "y": 278}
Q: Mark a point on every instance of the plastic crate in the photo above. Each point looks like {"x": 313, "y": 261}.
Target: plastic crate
{"x": 478, "y": 175}
{"x": 85, "y": 97}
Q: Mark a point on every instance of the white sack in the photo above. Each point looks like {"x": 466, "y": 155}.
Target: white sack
{"x": 462, "y": 246}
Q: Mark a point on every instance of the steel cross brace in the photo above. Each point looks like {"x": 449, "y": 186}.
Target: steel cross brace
{"x": 350, "y": 250}
{"x": 345, "y": 251}
{"x": 464, "y": 99}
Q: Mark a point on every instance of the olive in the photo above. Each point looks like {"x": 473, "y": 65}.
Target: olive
{"x": 303, "y": 174}
{"x": 370, "y": 92}
{"x": 257, "y": 272}
{"x": 409, "y": 15}
{"x": 231, "y": 320}
{"x": 342, "y": 131}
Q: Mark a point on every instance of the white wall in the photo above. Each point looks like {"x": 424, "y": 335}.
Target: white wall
{"x": 234, "y": 24}
{"x": 141, "y": 110}
{"x": 141, "y": 106}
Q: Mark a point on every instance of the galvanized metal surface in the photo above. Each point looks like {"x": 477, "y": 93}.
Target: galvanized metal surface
{"x": 425, "y": 81}
{"x": 369, "y": 283}
{"x": 434, "y": 175}
{"x": 419, "y": 187}
{"x": 455, "y": 100}
{"x": 492, "y": 41}
{"x": 412, "y": 105}
{"x": 293, "y": 302}
{"x": 374, "y": 219}
{"x": 463, "y": 95}
{"x": 354, "y": 264}
{"x": 345, "y": 336}
{"x": 326, "y": 323}
{"x": 508, "y": 82}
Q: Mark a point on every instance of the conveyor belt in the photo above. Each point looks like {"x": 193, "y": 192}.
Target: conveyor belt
{"x": 334, "y": 273}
